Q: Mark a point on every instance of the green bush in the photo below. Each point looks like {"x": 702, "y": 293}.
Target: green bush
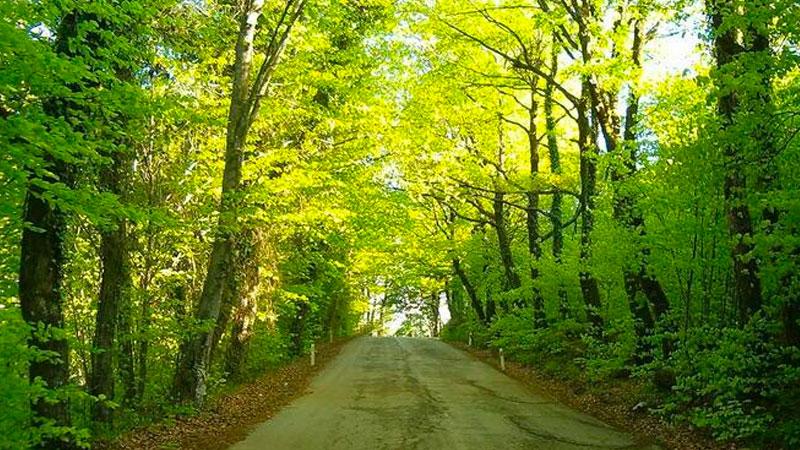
{"x": 554, "y": 349}
{"x": 738, "y": 383}
{"x": 14, "y": 389}
{"x": 16, "y": 392}
{"x": 268, "y": 349}
{"x": 609, "y": 356}
{"x": 459, "y": 330}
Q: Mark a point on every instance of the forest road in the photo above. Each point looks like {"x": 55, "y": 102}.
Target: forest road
{"x": 406, "y": 393}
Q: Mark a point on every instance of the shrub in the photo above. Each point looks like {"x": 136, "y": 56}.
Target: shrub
{"x": 738, "y": 383}
{"x": 609, "y": 356}
{"x": 554, "y": 349}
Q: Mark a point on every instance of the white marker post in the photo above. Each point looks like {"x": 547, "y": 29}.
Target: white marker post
{"x": 470, "y": 338}
{"x": 313, "y": 354}
{"x": 502, "y": 361}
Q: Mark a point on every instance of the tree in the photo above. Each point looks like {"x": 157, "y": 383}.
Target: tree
{"x": 733, "y": 103}
{"x": 45, "y": 214}
{"x": 246, "y": 97}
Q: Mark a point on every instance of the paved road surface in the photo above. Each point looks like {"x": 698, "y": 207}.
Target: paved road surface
{"x": 402, "y": 393}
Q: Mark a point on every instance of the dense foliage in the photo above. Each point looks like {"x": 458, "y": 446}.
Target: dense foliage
{"x": 195, "y": 191}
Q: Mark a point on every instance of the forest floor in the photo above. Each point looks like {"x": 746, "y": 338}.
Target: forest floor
{"x": 231, "y": 416}
{"x": 614, "y": 402}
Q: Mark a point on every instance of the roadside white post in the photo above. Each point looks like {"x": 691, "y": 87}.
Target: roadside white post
{"x": 313, "y": 354}
{"x": 470, "y": 338}
{"x": 502, "y": 361}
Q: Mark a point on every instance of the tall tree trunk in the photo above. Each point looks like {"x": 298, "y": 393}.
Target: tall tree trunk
{"x": 588, "y": 176}
{"x": 298, "y": 327}
{"x": 114, "y": 287}
{"x": 471, "y": 292}
{"x": 556, "y": 214}
{"x": 41, "y": 271}
{"x": 191, "y": 372}
{"x": 765, "y": 137}
{"x": 434, "y": 311}
{"x": 189, "y": 383}
{"x": 498, "y": 220}
{"x": 334, "y": 319}
{"x": 127, "y": 349}
{"x": 230, "y": 297}
{"x": 454, "y": 298}
{"x": 244, "y": 318}
{"x": 40, "y": 280}
{"x": 532, "y": 210}
{"x": 147, "y": 272}
{"x": 587, "y": 146}
{"x": 144, "y": 340}
{"x": 638, "y": 278}
{"x": 241, "y": 331}
{"x": 746, "y": 284}
{"x": 491, "y": 306}
{"x": 512, "y": 280}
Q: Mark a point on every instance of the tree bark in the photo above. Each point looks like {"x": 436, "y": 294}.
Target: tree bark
{"x": 769, "y": 181}
{"x": 454, "y": 297}
{"x": 638, "y": 278}
{"x": 144, "y": 328}
{"x": 471, "y": 292}
{"x": 40, "y": 282}
{"x": 491, "y": 306}
{"x": 512, "y": 280}
{"x": 230, "y": 298}
{"x": 556, "y": 217}
{"x": 147, "y": 273}
{"x": 114, "y": 287}
{"x": 532, "y": 210}
{"x": 41, "y": 272}
{"x": 434, "y": 314}
{"x": 247, "y": 291}
{"x": 191, "y": 372}
{"x": 298, "y": 327}
{"x": 127, "y": 349}
{"x": 242, "y": 330}
{"x": 245, "y": 101}
{"x": 498, "y": 221}
{"x": 588, "y": 175}
{"x": 587, "y": 146}
{"x": 746, "y": 283}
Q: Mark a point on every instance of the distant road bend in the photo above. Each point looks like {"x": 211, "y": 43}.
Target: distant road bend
{"x": 404, "y": 393}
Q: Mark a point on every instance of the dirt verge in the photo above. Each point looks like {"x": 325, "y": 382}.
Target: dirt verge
{"x": 619, "y": 403}
{"x": 230, "y": 417}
